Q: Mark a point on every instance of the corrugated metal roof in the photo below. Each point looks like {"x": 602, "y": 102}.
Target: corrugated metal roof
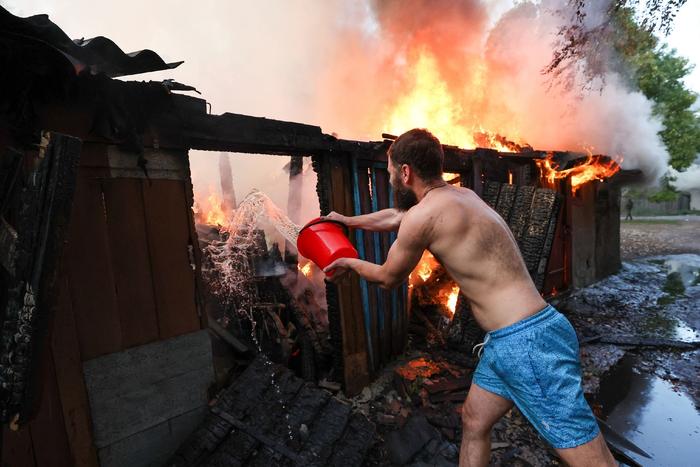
{"x": 98, "y": 55}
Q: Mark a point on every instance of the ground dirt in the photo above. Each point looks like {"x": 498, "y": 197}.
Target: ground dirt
{"x": 659, "y": 236}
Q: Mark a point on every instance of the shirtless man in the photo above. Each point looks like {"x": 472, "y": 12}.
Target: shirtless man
{"x": 530, "y": 352}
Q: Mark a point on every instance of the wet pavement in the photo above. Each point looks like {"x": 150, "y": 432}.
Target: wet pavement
{"x": 649, "y": 394}
{"x": 652, "y": 413}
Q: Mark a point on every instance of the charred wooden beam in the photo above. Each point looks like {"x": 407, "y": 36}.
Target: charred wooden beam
{"x": 46, "y": 196}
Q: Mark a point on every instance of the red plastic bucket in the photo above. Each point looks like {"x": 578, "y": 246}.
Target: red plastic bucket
{"x": 324, "y": 241}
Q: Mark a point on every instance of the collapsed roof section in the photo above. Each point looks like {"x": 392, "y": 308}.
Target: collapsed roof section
{"x": 98, "y": 55}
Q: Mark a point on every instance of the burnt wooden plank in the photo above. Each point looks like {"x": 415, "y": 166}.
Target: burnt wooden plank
{"x": 245, "y": 394}
{"x": 322, "y": 168}
{"x": 583, "y": 235}
{"x": 128, "y": 241}
{"x": 202, "y": 442}
{"x": 520, "y": 213}
{"x": 533, "y": 240}
{"x": 304, "y": 409}
{"x": 547, "y": 245}
{"x": 506, "y": 199}
{"x": 41, "y": 216}
{"x": 607, "y": 237}
{"x": 494, "y": 167}
{"x": 267, "y": 426}
{"x": 170, "y": 245}
{"x": 490, "y": 195}
{"x": 327, "y": 429}
{"x": 234, "y": 451}
{"x": 90, "y": 275}
{"x": 69, "y": 379}
{"x": 352, "y": 447}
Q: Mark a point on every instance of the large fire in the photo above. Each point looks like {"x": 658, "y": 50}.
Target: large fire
{"x": 594, "y": 168}
{"x": 431, "y": 102}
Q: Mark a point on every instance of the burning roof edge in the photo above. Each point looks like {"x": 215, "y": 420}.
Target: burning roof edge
{"x": 98, "y": 55}
{"x": 242, "y": 133}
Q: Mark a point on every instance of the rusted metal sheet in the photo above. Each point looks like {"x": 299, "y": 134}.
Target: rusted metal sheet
{"x": 98, "y": 54}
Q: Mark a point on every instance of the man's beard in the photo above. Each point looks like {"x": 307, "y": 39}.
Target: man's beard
{"x": 404, "y": 197}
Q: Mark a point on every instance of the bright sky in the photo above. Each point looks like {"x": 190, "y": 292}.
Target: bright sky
{"x": 685, "y": 38}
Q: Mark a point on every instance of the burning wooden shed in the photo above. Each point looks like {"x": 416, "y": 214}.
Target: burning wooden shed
{"x": 106, "y": 358}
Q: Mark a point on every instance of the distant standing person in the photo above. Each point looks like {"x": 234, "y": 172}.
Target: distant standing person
{"x": 629, "y": 205}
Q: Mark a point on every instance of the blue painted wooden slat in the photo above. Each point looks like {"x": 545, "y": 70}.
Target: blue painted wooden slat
{"x": 404, "y": 290}
{"x": 359, "y": 240}
{"x": 377, "y": 255}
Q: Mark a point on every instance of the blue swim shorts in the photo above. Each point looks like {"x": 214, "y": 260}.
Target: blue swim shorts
{"x": 535, "y": 363}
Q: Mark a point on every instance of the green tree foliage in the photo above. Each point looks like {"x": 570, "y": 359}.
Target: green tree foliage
{"x": 583, "y": 46}
{"x": 658, "y": 72}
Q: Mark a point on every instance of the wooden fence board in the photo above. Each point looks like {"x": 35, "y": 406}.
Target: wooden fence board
{"x": 128, "y": 241}
{"x": 90, "y": 270}
{"x": 69, "y": 379}
{"x": 172, "y": 260}
{"x": 355, "y": 368}
{"x": 369, "y": 291}
{"x": 386, "y": 297}
{"x": 48, "y": 428}
{"x": 17, "y": 449}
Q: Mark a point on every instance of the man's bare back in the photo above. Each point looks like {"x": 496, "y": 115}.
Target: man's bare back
{"x": 478, "y": 250}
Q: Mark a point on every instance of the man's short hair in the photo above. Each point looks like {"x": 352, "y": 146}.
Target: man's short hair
{"x": 421, "y": 150}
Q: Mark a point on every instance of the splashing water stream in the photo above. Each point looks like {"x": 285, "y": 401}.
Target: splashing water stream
{"x": 231, "y": 271}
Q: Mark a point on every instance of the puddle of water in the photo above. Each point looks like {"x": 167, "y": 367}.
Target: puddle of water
{"x": 685, "y": 333}
{"x": 687, "y": 268}
{"x": 647, "y": 411}
{"x": 669, "y": 327}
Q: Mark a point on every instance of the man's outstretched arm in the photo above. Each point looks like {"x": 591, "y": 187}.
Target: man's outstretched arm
{"x": 386, "y": 220}
{"x": 403, "y": 256}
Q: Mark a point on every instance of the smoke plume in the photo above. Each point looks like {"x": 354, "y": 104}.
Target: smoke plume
{"x": 354, "y": 67}
{"x": 490, "y": 66}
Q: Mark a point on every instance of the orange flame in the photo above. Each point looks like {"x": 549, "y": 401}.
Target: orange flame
{"x": 451, "y": 302}
{"x": 431, "y": 103}
{"x": 211, "y": 211}
{"x": 594, "y": 168}
{"x": 305, "y": 269}
{"x": 423, "y": 270}
{"x": 449, "y": 177}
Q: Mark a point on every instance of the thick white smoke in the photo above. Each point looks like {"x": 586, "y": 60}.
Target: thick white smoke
{"x": 342, "y": 65}
{"x": 491, "y": 59}
{"x": 689, "y": 179}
